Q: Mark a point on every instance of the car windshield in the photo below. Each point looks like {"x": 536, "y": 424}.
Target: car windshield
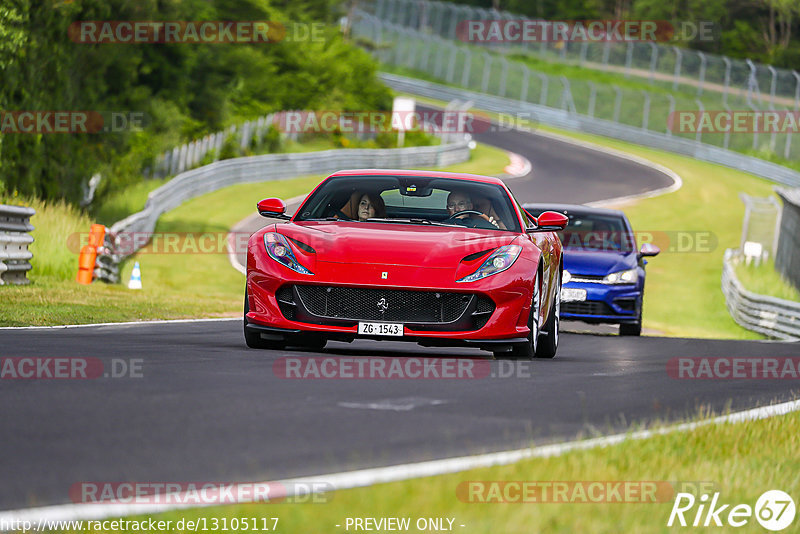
{"x": 594, "y": 231}
{"x": 412, "y": 200}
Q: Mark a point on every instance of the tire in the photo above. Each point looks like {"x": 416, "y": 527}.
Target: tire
{"x": 527, "y": 351}
{"x": 548, "y": 343}
{"x": 632, "y": 329}
{"x": 253, "y": 339}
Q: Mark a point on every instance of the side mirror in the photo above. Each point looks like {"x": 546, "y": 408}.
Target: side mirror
{"x": 648, "y": 249}
{"x": 272, "y": 207}
{"x": 549, "y": 221}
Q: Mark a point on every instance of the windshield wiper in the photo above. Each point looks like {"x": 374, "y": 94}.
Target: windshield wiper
{"x": 414, "y": 221}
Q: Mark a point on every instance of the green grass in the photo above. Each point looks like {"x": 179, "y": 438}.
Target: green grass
{"x": 175, "y": 286}
{"x": 683, "y": 296}
{"x": 124, "y": 202}
{"x": 741, "y": 461}
{"x": 765, "y": 280}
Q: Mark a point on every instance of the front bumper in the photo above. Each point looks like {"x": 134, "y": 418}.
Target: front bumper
{"x": 604, "y": 303}
{"x": 269, "y": 284}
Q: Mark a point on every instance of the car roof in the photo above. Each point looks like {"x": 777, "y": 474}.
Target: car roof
{"x": 573, "y": 208}
{"x": 420, "y": 173}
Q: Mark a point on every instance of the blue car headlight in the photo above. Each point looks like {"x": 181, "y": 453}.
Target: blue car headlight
{"x": 622, "y": 277}
{"x": 500, "y": 260}
{"x": 279, "y": 250}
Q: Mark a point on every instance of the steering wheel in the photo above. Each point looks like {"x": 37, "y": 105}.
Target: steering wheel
{"x": 469, "y": 222}
{"x": 465, "y": 212}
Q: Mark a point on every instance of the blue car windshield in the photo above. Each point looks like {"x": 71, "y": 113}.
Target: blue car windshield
{"x": 597, "y": 232}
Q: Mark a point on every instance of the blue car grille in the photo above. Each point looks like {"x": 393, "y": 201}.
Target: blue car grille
{"x": 589, "y": 307}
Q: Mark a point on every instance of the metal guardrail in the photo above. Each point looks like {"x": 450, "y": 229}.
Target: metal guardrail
{"x": 14, "y": 240}
{"x": 787, "y": 256}
{"x": 656, "y": 62}
{"x": 120, "y": 244}
{"x": 567, "y": 120}
{"x": 771, "y": 316}
{"x": 489, "y": 71}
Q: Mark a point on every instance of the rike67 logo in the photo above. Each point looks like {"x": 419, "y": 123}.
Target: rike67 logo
{"x": 774, "y": 510}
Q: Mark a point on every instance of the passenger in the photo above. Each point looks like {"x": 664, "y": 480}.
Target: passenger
{"x": 363, "y": 206}
{"x": 485, "y": 206}
{"x": 458, "y": 201}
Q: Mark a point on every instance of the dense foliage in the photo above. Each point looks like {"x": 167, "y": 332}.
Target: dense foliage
{"x": 184, "y": 90}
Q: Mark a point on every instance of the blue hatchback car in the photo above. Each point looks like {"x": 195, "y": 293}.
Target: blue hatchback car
{"x": 603, "y": 270}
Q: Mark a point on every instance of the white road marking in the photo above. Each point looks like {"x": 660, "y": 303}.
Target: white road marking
{"x": 404, "y": 404}
{"x": 129, "y": 323}
{"x": 394, "y": 473}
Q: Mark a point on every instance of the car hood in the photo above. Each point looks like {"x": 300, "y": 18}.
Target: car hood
{"x": 393, "y": 244}
{"x": 597, "y": 262}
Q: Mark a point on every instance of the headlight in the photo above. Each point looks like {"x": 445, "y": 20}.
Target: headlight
{"x": 565, "y": 277}
{"x": 622, "y": 277}
{"x": 279, "y": 250}
{"x": 500, "y": 260}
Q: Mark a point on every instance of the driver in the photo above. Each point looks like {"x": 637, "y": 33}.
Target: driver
{"x": 458, "y": 201}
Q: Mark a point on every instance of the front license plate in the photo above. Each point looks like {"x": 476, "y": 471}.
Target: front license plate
{"x": 569, "y": 294}
{"x": 380, "y": 329}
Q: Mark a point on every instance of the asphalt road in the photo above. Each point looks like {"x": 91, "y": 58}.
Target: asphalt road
{"x": 206, "y": 408}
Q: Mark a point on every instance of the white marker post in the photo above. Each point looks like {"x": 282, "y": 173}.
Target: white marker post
{"x": 402, "y": 109}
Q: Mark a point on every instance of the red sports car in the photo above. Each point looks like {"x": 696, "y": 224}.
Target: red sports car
{"x": 432, "y": 257}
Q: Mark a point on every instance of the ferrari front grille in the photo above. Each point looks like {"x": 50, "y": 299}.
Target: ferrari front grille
{"x": 393, "y": 305}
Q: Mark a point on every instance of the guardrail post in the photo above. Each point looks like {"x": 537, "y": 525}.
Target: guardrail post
{"x": 653, "y": 60}
{"x": 726, "y": 87}
{"x": 678, "y": 60}
{"x": 487, "y": 68}
{"x": 646, "y": 112}
{"x": 628, "y": 59}
{"x": 698, "y": 136}
{"x": 452, "y": 65}
{"x": 545, "y": 82}
{"x": 670, "y": 113}
{"x": 15, "y": 228}
{"x": 503, "y": 75}
{"x": 523, "y": 89}
{"x": 467, "y": 67}
{"x": 702, "y": 79}
{"x": 617, "y": 103}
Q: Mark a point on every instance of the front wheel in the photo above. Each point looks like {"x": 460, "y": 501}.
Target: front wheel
{"x": 527, "y": 351}
{"x": 633, "y": 329}
{"x": 548, "y": 343}
{"x": 253, "y": 339}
